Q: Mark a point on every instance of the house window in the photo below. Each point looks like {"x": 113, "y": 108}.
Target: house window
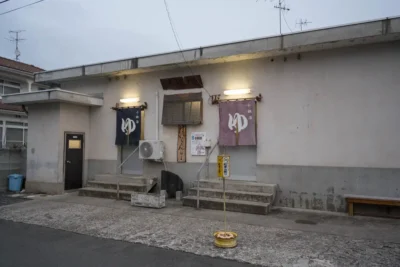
{"x": 183, "y": 109}
{"x": 8, "y": 87}
{"x": 14, "y": 134}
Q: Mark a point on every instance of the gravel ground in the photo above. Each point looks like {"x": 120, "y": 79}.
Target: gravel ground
{"x": 257, "y": 245}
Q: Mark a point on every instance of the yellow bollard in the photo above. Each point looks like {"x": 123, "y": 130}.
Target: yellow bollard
{"x": 224, "y": 239}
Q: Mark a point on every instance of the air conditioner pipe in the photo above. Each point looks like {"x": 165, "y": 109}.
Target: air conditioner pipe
{"x": 157, "y": 124}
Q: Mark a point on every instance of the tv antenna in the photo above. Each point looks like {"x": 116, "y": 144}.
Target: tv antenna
{"x": 302, "y": 23}
{"x": 16, "y": 39}
{"x": 281, "y": 9}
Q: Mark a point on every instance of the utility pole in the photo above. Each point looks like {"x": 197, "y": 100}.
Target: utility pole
{"x": 302, "y": 23}
{"x": 281, "y": 8}
{"x": 16, "y": 39}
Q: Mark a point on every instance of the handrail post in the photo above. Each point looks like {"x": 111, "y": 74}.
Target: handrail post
{"x": 198, "y": 174}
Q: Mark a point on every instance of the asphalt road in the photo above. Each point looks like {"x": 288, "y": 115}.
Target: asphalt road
{"x": 30, "y": 245}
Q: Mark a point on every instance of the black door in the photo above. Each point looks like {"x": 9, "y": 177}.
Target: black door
{"x": 73, "y": 161}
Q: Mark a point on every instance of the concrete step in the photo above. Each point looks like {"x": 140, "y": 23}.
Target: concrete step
{"x": 121, "y": 178}
{"x": 240, "y": 186}
{"x": 138, "y": 187}
{"x": 231, "y": 194}
{"x": 231, "y": 205}
{"x": 105, "y": 193}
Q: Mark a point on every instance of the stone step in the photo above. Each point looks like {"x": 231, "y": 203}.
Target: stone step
{"x": 231, "y": 205}
{"x": 105, "y": 193}
{"x": 138, "y": 187}
{"x": 240, "y": 186}
{"x": 231, "y": 194}
{"x": 120, "y": 178}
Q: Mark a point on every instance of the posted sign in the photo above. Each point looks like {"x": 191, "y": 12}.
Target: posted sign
{"x": 223, "y": 166}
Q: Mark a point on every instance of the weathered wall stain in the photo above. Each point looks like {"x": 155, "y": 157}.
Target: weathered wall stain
{"x": 323, "y": 188}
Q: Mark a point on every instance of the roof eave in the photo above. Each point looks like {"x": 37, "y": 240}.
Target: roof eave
{"x": 24, "y": 74}
{"x": 384, "y": 30}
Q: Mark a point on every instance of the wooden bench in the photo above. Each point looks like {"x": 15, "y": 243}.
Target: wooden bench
{"x": 386, "y": 201}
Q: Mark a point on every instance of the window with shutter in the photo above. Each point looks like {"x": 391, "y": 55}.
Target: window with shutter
{"x": 183, "y": 109}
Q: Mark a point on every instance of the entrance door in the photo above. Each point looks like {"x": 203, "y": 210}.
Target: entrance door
{"x": 73, "y": 161}
{"x": 243, "y": 162}
{"x": 133, "y": 165}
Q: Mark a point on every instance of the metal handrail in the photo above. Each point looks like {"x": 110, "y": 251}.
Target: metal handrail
{"x": 199, "y": 171}
{"x": 130, "y": 155}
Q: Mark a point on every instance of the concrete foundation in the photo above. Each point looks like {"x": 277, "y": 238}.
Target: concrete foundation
{"x": 322, "y": 188}
{"x": 44, "y": 187}
{"x": 307, "y": 187}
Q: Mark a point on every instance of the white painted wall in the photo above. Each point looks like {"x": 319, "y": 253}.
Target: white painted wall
{"x": 331, "y": 108}
{"x": 47, "y": 126}
{"x": 43, "y": 144}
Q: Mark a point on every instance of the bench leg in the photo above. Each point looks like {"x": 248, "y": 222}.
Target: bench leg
{"x": 350, "y": 208}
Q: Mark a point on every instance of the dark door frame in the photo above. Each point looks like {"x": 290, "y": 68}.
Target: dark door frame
{"x": 65, "y": 154}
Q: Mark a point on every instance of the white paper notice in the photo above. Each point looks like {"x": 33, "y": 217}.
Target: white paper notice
{"x": 197, "y": 148}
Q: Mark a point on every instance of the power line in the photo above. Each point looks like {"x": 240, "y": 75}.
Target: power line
{"x": 9, "y": 11}
{"x": 302, "y": 23}
{"x": 284, "y": 18}
{"x": 173, "y": 29}
{"x": 179, "y": 43}
{"x": 16, "y": 39}
{"x": 4, "y": 1}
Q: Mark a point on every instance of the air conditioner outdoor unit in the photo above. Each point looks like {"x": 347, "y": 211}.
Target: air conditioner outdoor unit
{"x": 151, "y": 149}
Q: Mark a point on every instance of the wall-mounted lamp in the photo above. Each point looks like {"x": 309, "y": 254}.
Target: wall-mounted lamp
{"x": 237, "y": 92}
{"x": 129, "y": 100}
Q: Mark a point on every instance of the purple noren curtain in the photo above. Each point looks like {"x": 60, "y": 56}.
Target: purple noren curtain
{"x": 237, "y": 123}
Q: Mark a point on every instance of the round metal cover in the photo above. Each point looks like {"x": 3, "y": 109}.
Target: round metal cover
{"x": 146, "y": 149}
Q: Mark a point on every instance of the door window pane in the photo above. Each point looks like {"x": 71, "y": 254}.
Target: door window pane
{"x": 74, "y": 144}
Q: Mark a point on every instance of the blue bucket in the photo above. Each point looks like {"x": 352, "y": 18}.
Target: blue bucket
{"x": 15, "y": 182}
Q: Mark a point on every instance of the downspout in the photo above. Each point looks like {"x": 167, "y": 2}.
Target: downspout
{"x": 29, "y": 85}
{"x": 157, "y": 124}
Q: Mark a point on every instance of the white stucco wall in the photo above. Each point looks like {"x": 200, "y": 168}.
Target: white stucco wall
{"x": 45, "y": 152}
{"x": 331, "y": 108}
{"x": 43, "y": 144}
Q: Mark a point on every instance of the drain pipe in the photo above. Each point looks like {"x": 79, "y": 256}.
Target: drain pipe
{"x": 157, "y": 124}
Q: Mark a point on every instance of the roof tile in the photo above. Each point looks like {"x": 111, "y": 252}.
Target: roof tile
{"x": 12, "y": 64}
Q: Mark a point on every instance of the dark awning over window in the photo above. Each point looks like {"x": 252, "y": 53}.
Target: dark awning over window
{"x": 183, "y": 109}
{"x": 179, "y": 83}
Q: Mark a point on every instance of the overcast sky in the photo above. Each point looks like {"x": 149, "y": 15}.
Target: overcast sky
{"x": 63, "y": 33}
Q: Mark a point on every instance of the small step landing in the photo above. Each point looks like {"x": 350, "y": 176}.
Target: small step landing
{"x": 110, "y": 186}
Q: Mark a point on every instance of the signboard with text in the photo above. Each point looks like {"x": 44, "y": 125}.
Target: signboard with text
{"x": 223, "y": 166}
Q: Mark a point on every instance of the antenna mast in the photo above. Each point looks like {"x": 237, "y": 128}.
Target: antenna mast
{"x": 281, "y": 9}
{"x": 16, "y": 39}
{"x": 302, "y": 23}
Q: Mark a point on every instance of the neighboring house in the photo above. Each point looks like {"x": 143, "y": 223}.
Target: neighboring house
{"x": 15, "y": 77}
{"x": 327, "y": 124}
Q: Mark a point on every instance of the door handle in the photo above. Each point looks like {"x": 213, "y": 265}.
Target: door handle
{"x": 68, "y": 161}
